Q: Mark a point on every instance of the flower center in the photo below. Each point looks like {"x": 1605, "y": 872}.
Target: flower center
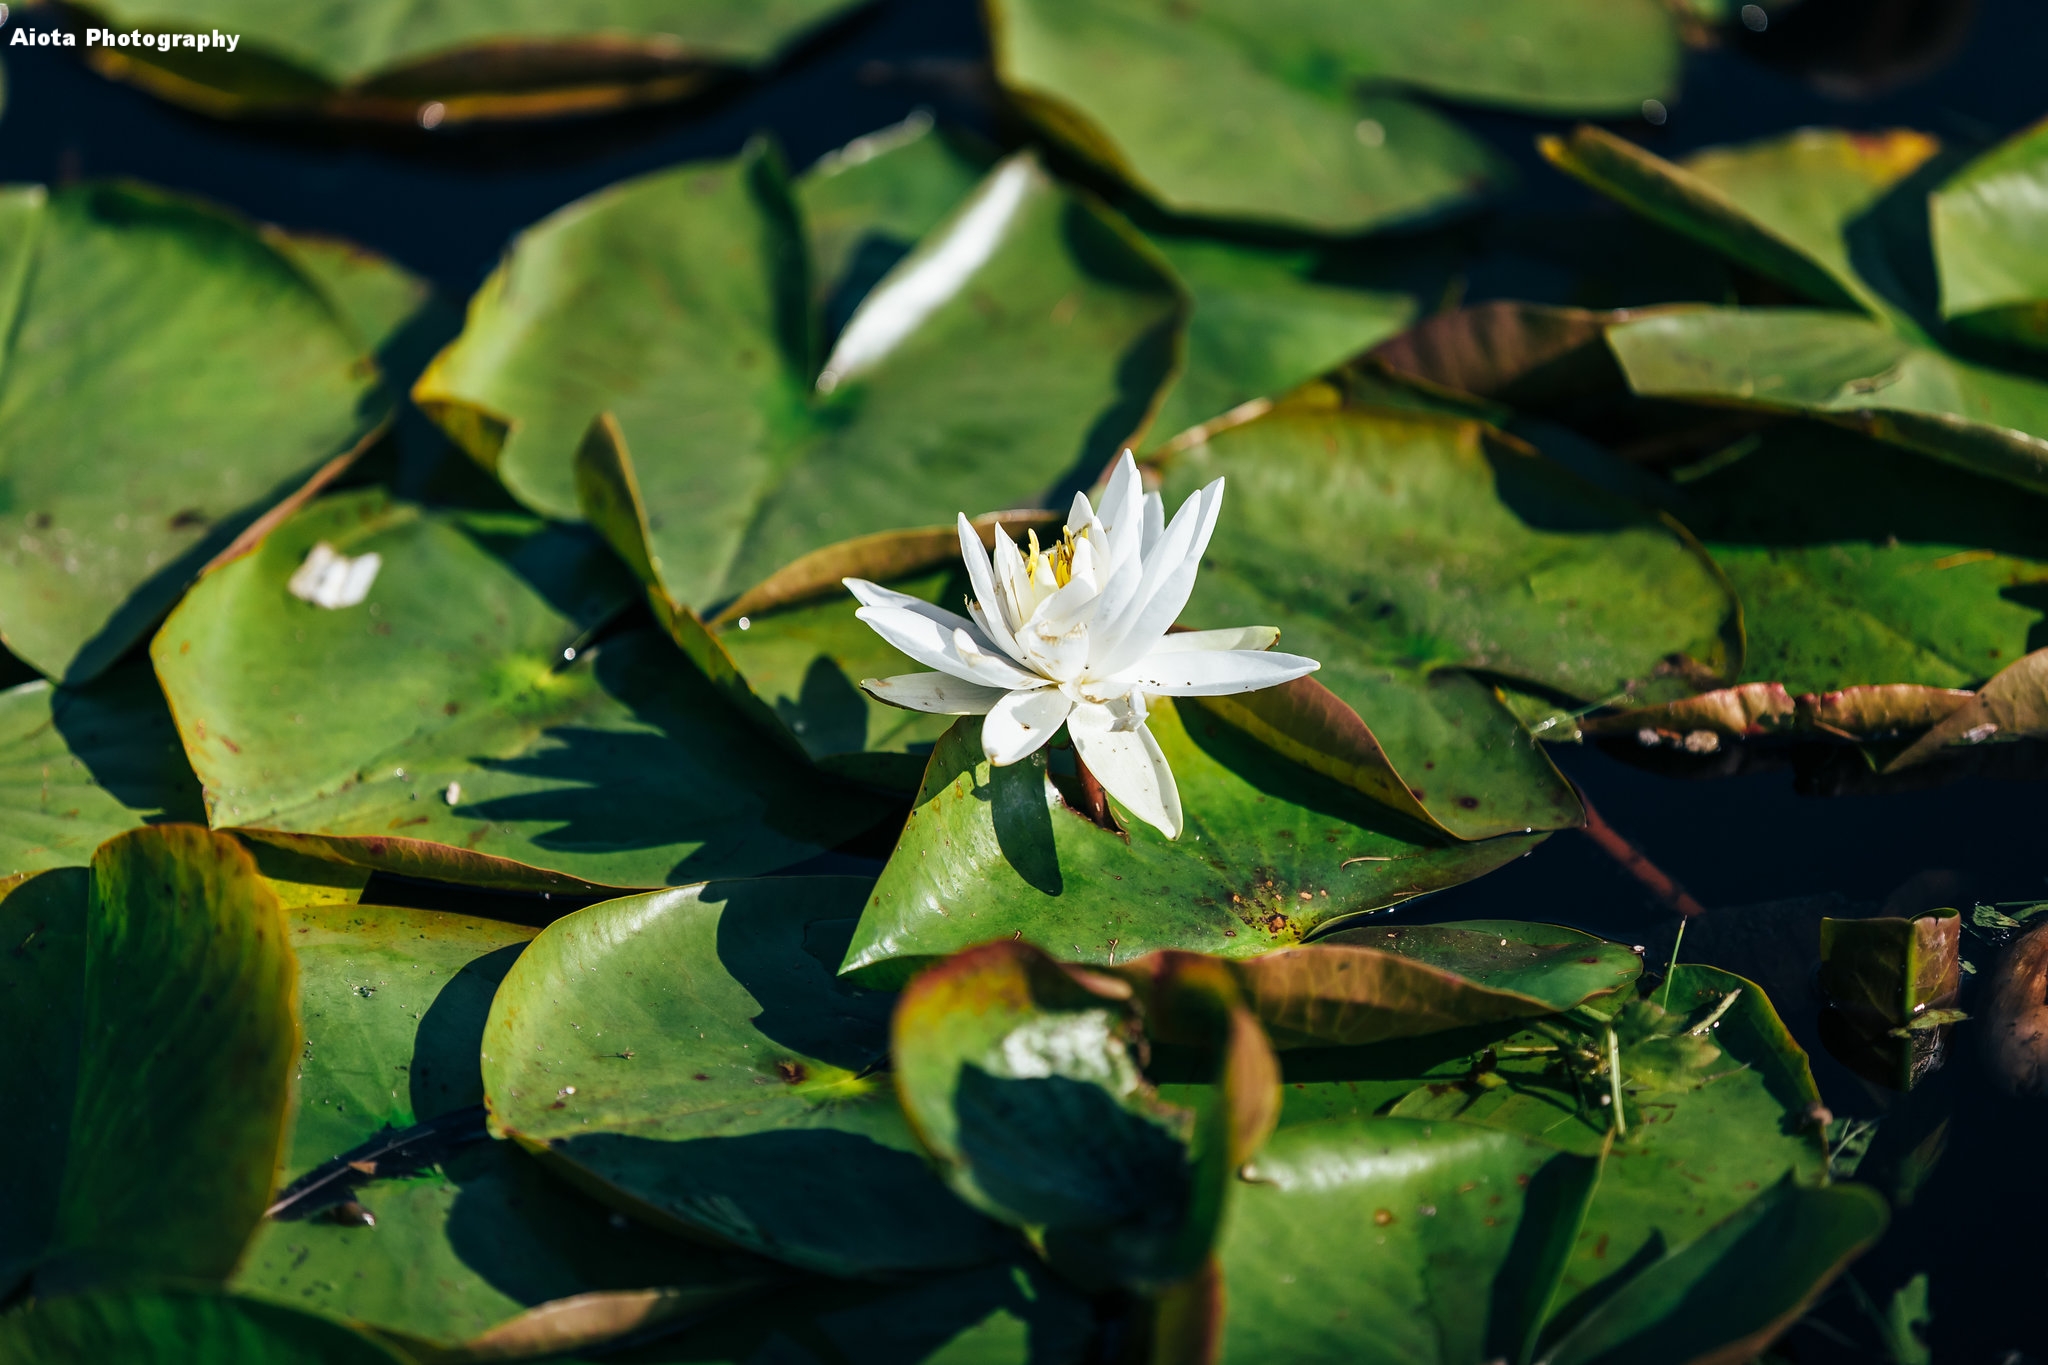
{"x": 1059, "y": 558}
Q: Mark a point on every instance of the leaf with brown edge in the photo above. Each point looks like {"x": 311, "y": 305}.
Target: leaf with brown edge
{"x": 1272, "y": 851}
{"x": 1509, "y": 351}
{"x": 174, "y": 973}
{"x": 1780, "y": 206}
{"x": 1367, "y": 985}
{"x": 2013, "y": 705}
{"x": 1766, "y": 708}
{"x": 1024, "y": 1079}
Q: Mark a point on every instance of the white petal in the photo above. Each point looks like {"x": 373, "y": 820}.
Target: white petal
{"x": 989, "y": 668}
{"x": 1175, "y": 562}
{"x": 1130, "y": 766}
{"x": 1232, "y": 637}
{"x": 332, "y": 580}
{"x": 875, "y": 595}
{"x": 1123, "y": 504}
{"x": 1079, "y": 514}
{"x": 1055, "y": 653}
{"x": 1155, "y": 521}
{"x": 939, "y": 693}
{"x": 981, "y": 574}
{"x": 1021, "y": 722}
{"x": 1010, "y": 580}
{"x": 922, "y": 638}
{"x": 1214, "y": 673}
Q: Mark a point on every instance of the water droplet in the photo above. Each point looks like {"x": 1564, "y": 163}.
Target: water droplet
{"x": 1655, "y": 113}
{"x": 1371, "y": 132}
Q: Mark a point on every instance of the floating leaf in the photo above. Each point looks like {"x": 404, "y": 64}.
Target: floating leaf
{"x": 1013, "y": 1314}
{"x": 1849, "y": 370}
{"x": 161, "y": 990}
{"x": 1891, "y": 968}
{"x": 1860, "y": 566}
{"x": 1731, "y": 1292}
{"x": 868, "y": 204}
{"x": 172, "y": 386}
{"x": 1693, "y": 1158}
{"x": 176, "y": 1326}
{"x": 1985, "y": 221}
{"x": 1401, "y": 550}
{"x": 1024, "y": 1078}
{"x": 1271, "y": 852}
{"x": 407, "y": 734}
{"x": 462, "y": 1244}
{"x": 2012, "y": 706}
{"x": 1129, "y": 85}
{"x": 1366, "y": 985}
{"x": 386, "y": 62}
{"x": 1790, "y": 208}
{"x": 83, "y": 764}
{"x": 1263, "y": 324}
{"x": 1008, "y": 358}
{"x": 1393, "y": 1240}
{"x": 688, "y": 1056}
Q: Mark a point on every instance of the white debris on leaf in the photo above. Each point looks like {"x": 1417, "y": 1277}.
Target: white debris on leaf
{"x": 333, "y": 580}
{"x": 454, "y": 793}
{"x": 1075, "y": 634}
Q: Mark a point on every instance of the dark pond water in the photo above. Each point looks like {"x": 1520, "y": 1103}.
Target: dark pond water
{"x": 1767, "y": 852}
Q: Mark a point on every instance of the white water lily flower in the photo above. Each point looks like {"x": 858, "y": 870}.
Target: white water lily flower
{"x": 1076, "y": 635}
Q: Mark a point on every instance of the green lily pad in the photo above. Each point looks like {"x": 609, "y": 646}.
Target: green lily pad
{"x": 1130, "y": 86}
{"x": 1403, "y": 550}
{"x": 161, "y": 989}
{"x": 1891, "y": 968}
{"x": 1366, "y": 985}
{"x": 1271, "y": 852}
{"x": 1694, "y": 1157}
{"x": 689, "y": 1057}
{"x": 83, "y": 764}
{"x": 1262, "y": 325}
{"x": 1985, "y": 222}
{"x": 1853, "y": 371}
{"x": 1395, "y": 1240}
{"x": 407, "y": 734}
{"x": 1789, "y": 208}
{"x": 390, "y": 63}
{"x": 1013, "y": 1314}
{"x": 1860, "y": 564}
{"x": 173, "y": 385}
{"x": 372, "y": 293}
{"x": 1732, "y": 1292}
{"x": 177, "y": 1326}
{"x": 1024, "y": 1078}
{"x": 1048, "y": 335}
{"x": 394, "y": 1003}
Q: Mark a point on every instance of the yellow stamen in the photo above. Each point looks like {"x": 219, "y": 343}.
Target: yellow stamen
{"x": 1060, "y": 558}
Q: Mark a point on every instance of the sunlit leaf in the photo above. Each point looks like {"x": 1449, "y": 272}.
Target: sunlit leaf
{"x": 688, "y": 1056}
{"x": 1271, "y": 852}
{"x": 160, "y": 991}
{"x": 389, "y": 62}
{"x": 1007, "y": 358}
{"x": 83, "y": 764}
{"x": 456, "y": 723}
{"x": 172, "y": 384}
